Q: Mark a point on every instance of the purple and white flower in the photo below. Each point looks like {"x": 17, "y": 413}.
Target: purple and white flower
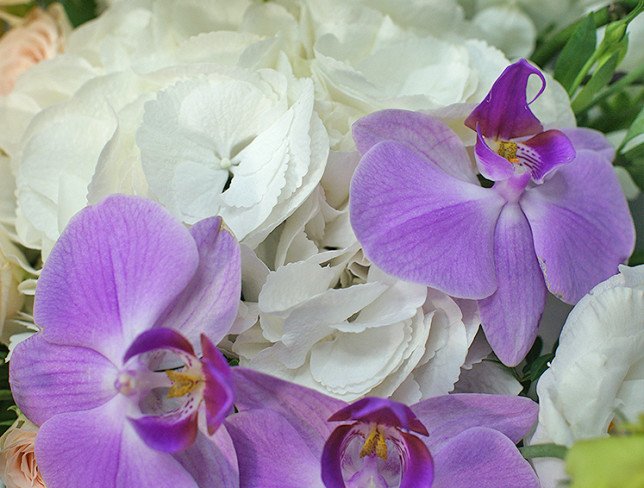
{"x": 439, "y": 442}
{"x": 127, "y": 303}
{"x": 555, "y": 218}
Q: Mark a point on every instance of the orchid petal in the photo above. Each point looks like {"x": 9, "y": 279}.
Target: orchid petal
{"x": 448, "y": 415}
{"x": 274, "y": 453}
{"x": 545, "y": 152}
{"x": 420, "y": 224}
{"x": 211, "y": 461}
{"x": 491, "y": 165}
{"x": 505, "y": 112}
{"x": 482, "y": 458}
{"x": 419, "y": 465}
{"x": 332, "y": 457}
{"x": 380, "y": 411}
{"x": 307, "y": 410}
{"x": 584, "y": 138}
{"x": 510, "y": 317}
{"x": 209, "y": 303}
{"x": 581, "y": 225}
{"x": 112, "y": 273}
{"x": 218, "y": 392}
{"x": 425, "y": 134}
{"x": 99, "y": 448}
{"x": 158, "y": 338}
{"x": 49, "y": 379}
{"x": 172, "y": 432}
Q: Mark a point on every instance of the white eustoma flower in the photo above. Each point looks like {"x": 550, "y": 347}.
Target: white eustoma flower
{"x": 598, "y": 368}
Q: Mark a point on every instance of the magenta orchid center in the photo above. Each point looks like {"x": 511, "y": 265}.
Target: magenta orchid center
{"x": 378, "y": 449}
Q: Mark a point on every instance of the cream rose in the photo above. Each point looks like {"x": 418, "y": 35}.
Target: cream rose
{"x": 17, "y": 458}
{"x": 41, "y": 36}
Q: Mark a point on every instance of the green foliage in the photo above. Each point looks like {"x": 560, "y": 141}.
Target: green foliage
{"x": 576, "y": 53}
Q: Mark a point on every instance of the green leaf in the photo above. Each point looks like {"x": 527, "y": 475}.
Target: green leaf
{"x": 603, "y": 74}
{"x": 579, "y": 48}
{"x": 636, "y": 129}
{"x": 610, "y": 462}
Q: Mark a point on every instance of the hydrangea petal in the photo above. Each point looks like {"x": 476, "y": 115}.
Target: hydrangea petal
{"x": 112, "y": 273}
{"x": 209, "y": 303}
{"x": 99, "y": 448}
{"x": 420, "y": 224}
{"x": 308, "y": 410}
{"x": 482, "y": 458}
{"x": 510, "y": 316}
{"x": 544, "y": 152}
{"x": 505, "y": 112}
{"x": 274, "y": 454}
{"x": 49, "y": 379}
{"x": 423, "y": 133}
{"x": 449, "y": 415}
{"x": 581, "y": 225}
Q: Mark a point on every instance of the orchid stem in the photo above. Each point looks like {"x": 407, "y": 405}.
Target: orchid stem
{"x": 544, "y": 450}
{"x": 603, "y": 16}
{"x": 631, "y": 77}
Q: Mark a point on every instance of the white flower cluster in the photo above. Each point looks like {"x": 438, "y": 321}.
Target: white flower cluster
{"x": 244, "y": 110}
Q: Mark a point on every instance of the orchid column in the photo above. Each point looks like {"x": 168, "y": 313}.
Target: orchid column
{"x": 554, "y": 218}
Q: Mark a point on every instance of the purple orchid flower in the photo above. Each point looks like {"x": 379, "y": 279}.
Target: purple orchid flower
{"x": 554, "y": 218}
{"x": 288, "y": 436}
{"x": 126, "y": 293}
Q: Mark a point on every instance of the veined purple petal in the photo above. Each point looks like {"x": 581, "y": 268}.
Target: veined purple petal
{"x": 99, "y": 448}
{"x": 448, "y": 415}
{"x": 271, "y": 453}
{"x": 482, "y": 458}
{"x": 209, "y": 303}
{"x": 421, "y": 224}
{"x": 218, "y": 388}
{"x": 490, "y": 164}
{"x": 211, "y": 460}
{"x": 593, "y": 140}
{"x": 544, "y": 152}
{"x": 158, "y": 338}
{"x": 49, "y": 379}
{"x": 425, "y": 134}
{"x": 306, "y": 409}
{"x": 380, "y": 411}
{"x": 113, "y": 271}
{"x": 505, "y": 112}
{"x": 172, "y": 432}
{"x": 510, "y": 316}
{"x": 581, "y": 225}
{"x": 332, "y": 457}
{"x": 418, "y": 466}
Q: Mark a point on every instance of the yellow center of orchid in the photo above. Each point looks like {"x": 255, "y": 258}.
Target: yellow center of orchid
{"x": 183, "y": 383}
{"x": 375, "y": 443}
{"x": 508, "y": 150}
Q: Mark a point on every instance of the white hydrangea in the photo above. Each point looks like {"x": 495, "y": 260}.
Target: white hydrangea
{"x": 598, "y": 369}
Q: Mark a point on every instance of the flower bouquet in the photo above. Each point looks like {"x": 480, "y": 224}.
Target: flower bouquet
{"x": 321, "y": 243}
